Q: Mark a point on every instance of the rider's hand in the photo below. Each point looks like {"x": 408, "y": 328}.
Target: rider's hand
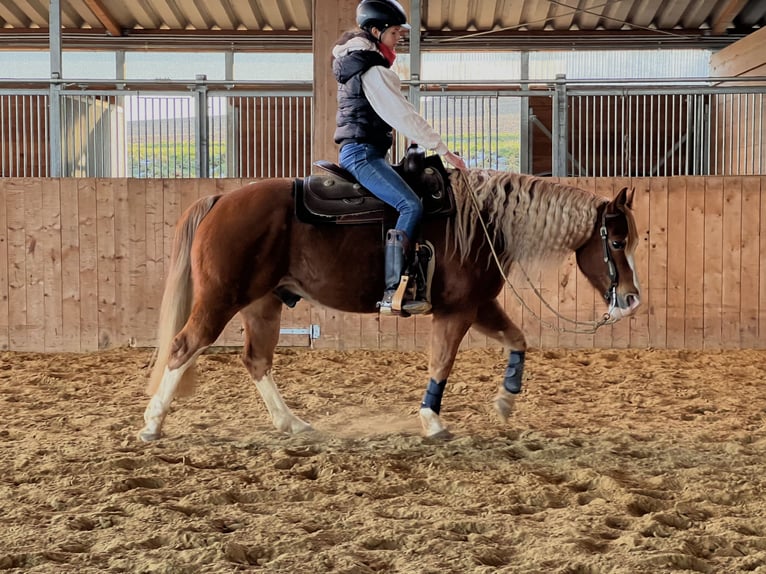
{"x": 455, "y": 160}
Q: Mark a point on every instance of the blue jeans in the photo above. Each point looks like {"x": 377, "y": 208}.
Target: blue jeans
{"x": 372, "y": 169}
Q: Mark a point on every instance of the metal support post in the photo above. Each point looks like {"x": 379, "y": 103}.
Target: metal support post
{"x": 560, "y": 135}
{"x": 415, "y": 55}
{"x": 54, "y": 97}
{"x": 201, "y": 127}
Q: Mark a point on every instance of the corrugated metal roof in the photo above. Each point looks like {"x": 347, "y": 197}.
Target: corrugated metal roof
{"x": 474, "y": 22}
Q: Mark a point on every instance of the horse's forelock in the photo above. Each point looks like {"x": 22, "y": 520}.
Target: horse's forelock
{"x": 536, "y": 219}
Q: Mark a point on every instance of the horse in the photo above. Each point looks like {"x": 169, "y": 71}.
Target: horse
{"x": 245, "y": 250}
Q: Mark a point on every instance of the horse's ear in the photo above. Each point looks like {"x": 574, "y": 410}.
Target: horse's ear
{"x": 624, "y": 198}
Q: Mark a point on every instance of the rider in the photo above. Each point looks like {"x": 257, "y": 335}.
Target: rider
{"x": 370, "y": 104}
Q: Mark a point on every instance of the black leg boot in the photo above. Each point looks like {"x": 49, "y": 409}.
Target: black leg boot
{"x": 396, "y": 297}
{"x": 395, "y": 263}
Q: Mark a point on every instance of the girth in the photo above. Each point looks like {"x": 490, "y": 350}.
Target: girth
{"x": 336, "y": 197}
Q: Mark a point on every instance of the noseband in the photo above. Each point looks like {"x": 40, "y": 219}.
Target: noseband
{"x": 611, "y": 293}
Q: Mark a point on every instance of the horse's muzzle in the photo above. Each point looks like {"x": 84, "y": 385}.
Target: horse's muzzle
{"x": 623, "y": 306}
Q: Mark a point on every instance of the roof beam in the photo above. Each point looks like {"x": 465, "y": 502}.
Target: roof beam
{"x": 724, "y": 17}
{"x": 103, "y": 15}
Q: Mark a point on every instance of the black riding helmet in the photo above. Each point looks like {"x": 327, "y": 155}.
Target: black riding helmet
{"x": 380, "y": 14}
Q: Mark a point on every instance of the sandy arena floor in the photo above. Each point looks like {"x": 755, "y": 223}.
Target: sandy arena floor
{"x": 614, "y": 462}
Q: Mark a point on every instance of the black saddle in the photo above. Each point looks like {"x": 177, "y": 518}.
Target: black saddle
{"x": 336, "y": 197}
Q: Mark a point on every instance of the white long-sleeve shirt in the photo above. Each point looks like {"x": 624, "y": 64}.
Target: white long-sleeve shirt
{"x": 383, "y": 89}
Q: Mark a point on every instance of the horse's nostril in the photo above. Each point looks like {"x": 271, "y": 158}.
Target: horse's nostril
{"x": 632, "y": 300}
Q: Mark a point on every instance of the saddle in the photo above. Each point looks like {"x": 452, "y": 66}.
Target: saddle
{"x": 337, "y": 198}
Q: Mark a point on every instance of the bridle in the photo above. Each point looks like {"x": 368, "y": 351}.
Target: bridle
{"x": 610, "y": 295}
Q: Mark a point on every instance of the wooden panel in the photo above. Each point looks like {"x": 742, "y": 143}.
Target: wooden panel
{"x": 17, "y": 285}
{"x": 327, "y": 26}
{"x": 70, "y": 265}
{"x": 750, "y": 262}
{"x": 106, "y": 190}
{"x": 655, "y": 246}
{"x": 695, "y": 263}
{"x": 713, "y": 264}
{"x": 5, "y": 270}
{"x": 731, "y": 262}
{"x": 35, "y": 266}
{"x": 51, "y": 235}
{"x": 82, "y": 262}
{"x": 675, "y": 295}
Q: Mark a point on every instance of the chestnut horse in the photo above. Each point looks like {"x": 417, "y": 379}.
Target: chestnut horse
{"x": 243, "y": 251}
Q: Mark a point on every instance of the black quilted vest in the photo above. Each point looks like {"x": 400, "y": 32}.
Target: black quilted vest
{"x": 356, "y": 120}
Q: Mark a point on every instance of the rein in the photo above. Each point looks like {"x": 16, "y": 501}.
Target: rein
{"x": 592, "y": 326}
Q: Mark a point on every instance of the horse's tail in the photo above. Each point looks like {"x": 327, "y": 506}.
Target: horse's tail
{"x": 177, "y": 297}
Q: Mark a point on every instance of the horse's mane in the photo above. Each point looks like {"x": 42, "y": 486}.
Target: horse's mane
{"x": 529, "y": 219}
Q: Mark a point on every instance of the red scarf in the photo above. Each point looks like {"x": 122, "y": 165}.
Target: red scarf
{"x": 388, "y": 53}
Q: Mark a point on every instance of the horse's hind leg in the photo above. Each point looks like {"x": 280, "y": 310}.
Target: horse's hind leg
{"x": 198, "y": 334}
{"x": 492, "y": 321}
{"x": 261, "y": 320}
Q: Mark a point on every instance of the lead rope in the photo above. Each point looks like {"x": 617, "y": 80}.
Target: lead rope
{"x": 592, "y": 326}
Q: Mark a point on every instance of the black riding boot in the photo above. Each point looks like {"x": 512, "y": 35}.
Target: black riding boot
{"x": 400, "y": 298}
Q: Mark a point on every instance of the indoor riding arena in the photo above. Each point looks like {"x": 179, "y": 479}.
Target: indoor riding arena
{"x": 634, "y": 446}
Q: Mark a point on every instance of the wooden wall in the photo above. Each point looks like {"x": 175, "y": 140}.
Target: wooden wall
{"x": 82, "y": 263}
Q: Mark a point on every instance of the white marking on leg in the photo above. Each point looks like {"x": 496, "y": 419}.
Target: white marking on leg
{"x": 283, "y": 418}
{"x": 160, "y": 404}
{"x": 504, "y": 403}
{"x": 432, "y": 424}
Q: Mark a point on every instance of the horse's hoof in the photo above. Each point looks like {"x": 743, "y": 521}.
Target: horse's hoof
{"x": 504, "y": 406}
{"x": 149, "y": 436}
{"x": 441, "y": 436}
{"x": 302, "y": 427}
{"x": 295, "y": 426}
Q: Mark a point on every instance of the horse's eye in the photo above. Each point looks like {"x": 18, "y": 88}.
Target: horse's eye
{"x": 618, "y": 244}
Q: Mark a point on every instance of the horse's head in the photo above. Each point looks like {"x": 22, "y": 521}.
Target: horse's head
{"x": 606, "y": 258}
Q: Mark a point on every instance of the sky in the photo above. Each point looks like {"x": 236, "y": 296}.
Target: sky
{"x": 477, "y": 66}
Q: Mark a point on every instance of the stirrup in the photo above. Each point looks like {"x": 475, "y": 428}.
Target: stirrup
{"x": 397, "y": 303}
{"x": 391, "y": 304}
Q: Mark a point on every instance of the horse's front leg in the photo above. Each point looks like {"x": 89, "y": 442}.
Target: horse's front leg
{"x": 261, "y": 320}
{"x": 491, "y": 320}
{"x": 447, "y": 330}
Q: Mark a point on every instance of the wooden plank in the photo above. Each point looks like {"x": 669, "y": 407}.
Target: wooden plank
{"x": 675, "y": 297}
{"x": 35, "y": 265}
{"x": 654, "y": 251}
{"x": 389, "y": 332}
{"x": 762, "y": 273}
{"x": 5, "y": 270}
{"x": 695, "y": 263}
{"x": 106, "y": 190}
{"x": 750, "y": 263}
{"x": 422, "y": 333}
{"x": 369, "y": 325}
{"x": 130, "y": 257}
{"x": 731, "y": 281}
{"x": 155, "y": 262}
{"x": 327, "y": 26}
{"x": 17, "y": 264}
{"x": 741, "y": 57}
{"x": 70, "y": 265}
{"x": 87, "y": 203}
{"x": 713, "y": 265}
{"x": 53, "y": 325}
{"x": 650, "y": 211}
